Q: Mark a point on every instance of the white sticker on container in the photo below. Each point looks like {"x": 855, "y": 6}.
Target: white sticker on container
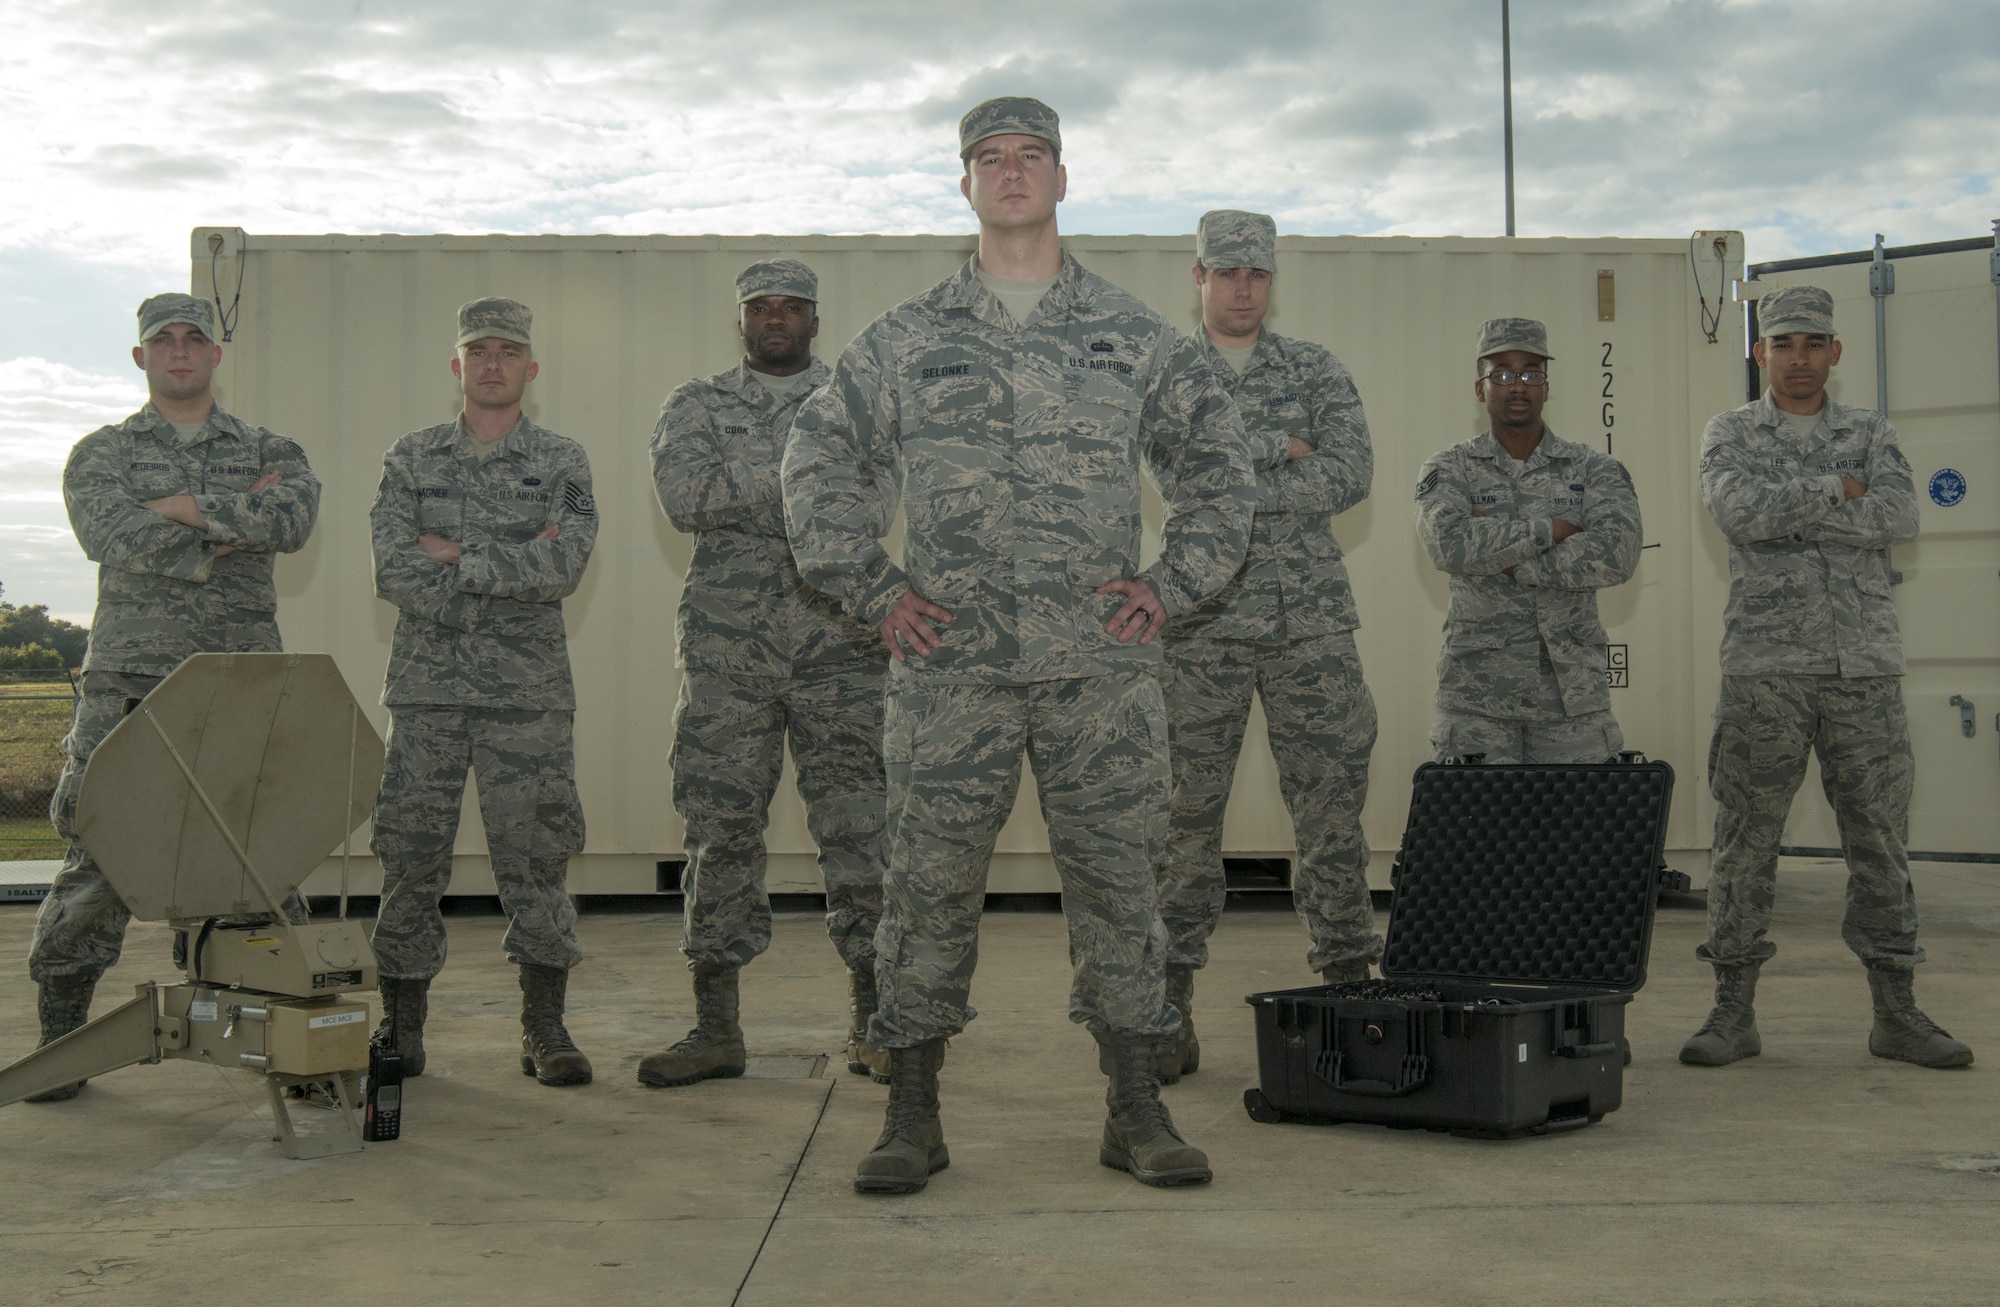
{"x": 202, "y": 1009}
{"x": 349, "y": 1018}
{"x": 1524, "y": 1053}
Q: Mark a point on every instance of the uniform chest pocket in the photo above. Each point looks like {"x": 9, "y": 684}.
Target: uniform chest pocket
{"x": 1284, "y": 413}
{"x": 954, "y": 397}
{"x": 519, "y": 500}
{"x": 1104, "y": 394}
{"x": 437, "y": 508}
{"x": 230, "y": 475}
{"x": 157, "y": 478}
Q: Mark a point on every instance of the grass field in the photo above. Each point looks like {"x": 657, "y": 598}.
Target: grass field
{"x": 31, "y": 730}
{"x": 27, "y": 839}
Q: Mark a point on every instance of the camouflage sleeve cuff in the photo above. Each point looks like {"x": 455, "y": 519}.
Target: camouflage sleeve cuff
{"x": 224, "y": 523}
{"x": 470, "y": 575}
{"x": 192, "y": 561}
{"x": 872, "y": 606}
{"x": 1172, "y": 602}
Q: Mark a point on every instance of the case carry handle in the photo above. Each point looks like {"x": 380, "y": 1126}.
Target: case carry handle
{"x": 1587, "y": 1050}
{"x": 1416, "y": 1073}
{"x": 1413, "y": 1073}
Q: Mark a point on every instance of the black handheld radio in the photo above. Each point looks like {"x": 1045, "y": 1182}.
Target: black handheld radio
{"x": 383, "y": 1119}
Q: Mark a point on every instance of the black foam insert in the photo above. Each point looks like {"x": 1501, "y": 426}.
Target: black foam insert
{"x": 1539, "y": 874}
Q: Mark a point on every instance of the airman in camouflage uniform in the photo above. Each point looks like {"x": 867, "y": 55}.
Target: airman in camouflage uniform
{"x": 1017, "y": 439}
{"x": 1529, "y": 527}
{"x": 764, "y": 658}
{"x": 481, "y": 527}
{"x": 184, "y": 508}
{"x": 1810, "y": 494}
{"x": 1282, "y": 630}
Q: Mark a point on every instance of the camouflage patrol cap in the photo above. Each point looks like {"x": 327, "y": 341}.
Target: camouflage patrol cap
{"x": 1232, "y": 238}
{"x": 163, "y": 310}
{"x": 777, "y": 277}
{"x": 493, "y": 317}
{"x": 1788, "y": 310}
{"x": 1008, "y": 115}
{"x": 1498, "y": 335}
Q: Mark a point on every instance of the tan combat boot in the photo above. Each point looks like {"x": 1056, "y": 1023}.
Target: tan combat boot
{"x": 405, "y": 1005}
{"x": 911, "y": 1149}
{"x": 1180, "y": 1055}
{"x": 713, "y": 1050}
{"x": 862, "y": 1058}
{"x": 547, "y": 1052}
{"x": 1730, "y": 1033}
{"x": 63, "y": 1003}
{"x": 1139, "y": 1135}
{"x": 1901, "y": 1029}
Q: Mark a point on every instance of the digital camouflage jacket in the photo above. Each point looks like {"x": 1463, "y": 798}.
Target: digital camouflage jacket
{"x": 487, "y": 633}
{"x": 744, "y": 610}
{"x": 162, "y": 592}
{"x": 1293, "y": 584}
{"x": 1018, "y": 451}
{"x": 1499, "y": 624}
{"x": 1808, "y": 567}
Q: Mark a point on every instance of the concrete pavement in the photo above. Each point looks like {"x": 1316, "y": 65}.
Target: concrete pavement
{"x": 1814, "y": 1174}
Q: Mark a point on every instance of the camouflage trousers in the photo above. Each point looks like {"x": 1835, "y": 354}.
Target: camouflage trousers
{"x": 729, "y": 748}
{"x": 80, "y": 929}
{"x": 1321, "y": 721}
{"x": 953, "y": 754}
{"x": 1764, "y": 728}
{"x": 1548, "y": 734}
{"x": 528, "y": 804}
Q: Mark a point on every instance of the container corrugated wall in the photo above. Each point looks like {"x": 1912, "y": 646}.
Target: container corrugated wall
{"x": 344, "y": 344}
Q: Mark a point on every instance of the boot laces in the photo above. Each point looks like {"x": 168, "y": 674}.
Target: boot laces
{"x": 909, "y": 1099}
{"x": 1719, "y": 1021}
{"x": 1149, "y": 1115}
{"x": 1913, "y": 1016}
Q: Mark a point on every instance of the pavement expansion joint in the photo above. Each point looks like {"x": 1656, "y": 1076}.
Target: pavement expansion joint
{"x": 826, "y": 1100}
{"x": 785, "y": 1066}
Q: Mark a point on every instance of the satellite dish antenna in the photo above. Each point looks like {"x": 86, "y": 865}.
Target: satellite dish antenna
{"x": 206, "y": 807}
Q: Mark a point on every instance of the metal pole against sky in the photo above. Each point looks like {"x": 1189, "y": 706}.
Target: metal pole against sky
{"x": 1507, "y": 106}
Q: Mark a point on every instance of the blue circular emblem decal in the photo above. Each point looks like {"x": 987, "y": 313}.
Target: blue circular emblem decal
{"x": 1947, "y": 487}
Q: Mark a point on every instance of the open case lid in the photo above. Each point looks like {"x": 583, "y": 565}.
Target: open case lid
{"x": 1543, "y": 875}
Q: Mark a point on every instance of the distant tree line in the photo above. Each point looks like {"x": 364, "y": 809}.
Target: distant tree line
{"x": 32, "y": 641}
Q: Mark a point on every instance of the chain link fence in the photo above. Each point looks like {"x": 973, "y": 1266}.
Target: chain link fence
{"x": 34, "y": 717}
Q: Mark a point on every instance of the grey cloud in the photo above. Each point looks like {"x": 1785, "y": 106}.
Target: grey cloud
{"x": 145, "y": 166}
{"x": 1073, "y": 90}
{"x": 321, "y": 99}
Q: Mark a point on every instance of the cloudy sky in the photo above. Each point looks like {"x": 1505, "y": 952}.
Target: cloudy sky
{"x": 1808, "y": 125}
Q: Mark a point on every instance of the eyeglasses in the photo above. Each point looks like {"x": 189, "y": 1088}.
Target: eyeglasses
{"x": 1507, "y": 377}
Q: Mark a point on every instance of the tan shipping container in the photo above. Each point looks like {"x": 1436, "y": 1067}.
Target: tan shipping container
{"x": 343, "y": 343}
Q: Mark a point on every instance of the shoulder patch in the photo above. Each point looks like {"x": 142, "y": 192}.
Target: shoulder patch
{"x": 1894, "y": 454}
{"x": 1428, "y": 484}
{"x": 285, "y": 447}
{"x": 578, "y": 500}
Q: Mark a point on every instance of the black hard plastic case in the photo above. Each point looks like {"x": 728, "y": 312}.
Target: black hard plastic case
{"x": 1520, "y": 919}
